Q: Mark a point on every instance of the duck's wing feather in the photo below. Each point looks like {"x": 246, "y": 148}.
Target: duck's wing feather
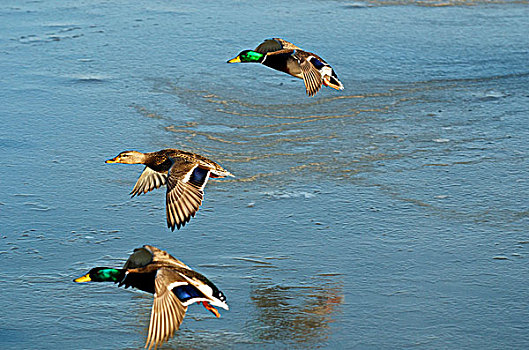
{"x": 148, "y": 181}
{"x": 287, "y": 44}
{"x": 185, "y": 191}
{"x": 161, "y": 257}
{"x": 136, "y": 276}
{"x": 311, "y": 75}
{"x": 269, "y": 45}
{"x": 167, "y": 311}
{"x": 140, "y": 258}
{"x": 275, "y": 44}
{"x": 142, "y": 265}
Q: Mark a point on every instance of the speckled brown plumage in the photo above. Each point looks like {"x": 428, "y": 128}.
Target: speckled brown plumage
{"x": 184, "y": 173}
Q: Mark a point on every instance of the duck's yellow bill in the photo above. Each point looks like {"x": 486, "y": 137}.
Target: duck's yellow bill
{"x": 235, "y": 60}
{"x": 82, "y": 279}
{"x": 113, "y": 160}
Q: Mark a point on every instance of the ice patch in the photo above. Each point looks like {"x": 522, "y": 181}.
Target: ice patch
{"x": 287, "y": 195}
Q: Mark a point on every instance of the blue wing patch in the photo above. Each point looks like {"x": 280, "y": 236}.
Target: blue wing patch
{"x": 186, "y": 292}
{"x": 317, "y": 63}
{"x": 199, "y": 176}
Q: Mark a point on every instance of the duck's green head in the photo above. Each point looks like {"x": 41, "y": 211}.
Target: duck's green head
{"x": 248, "y": 56}
{"x": 102, "y": 274}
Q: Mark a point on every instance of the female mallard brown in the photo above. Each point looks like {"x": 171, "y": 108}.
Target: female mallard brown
{"x": 174, "y": 285}
{"x": 286, "y": 57}
{"x": 184, "y": 173}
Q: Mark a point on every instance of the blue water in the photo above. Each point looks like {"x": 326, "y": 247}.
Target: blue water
{"x": 393, "y": 214}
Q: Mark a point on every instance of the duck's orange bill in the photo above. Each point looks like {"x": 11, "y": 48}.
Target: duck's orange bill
{"x": 113, "y": 160}
{"x": 211, "y": 308}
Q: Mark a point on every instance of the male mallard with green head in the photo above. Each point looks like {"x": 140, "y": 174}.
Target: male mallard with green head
{"x": 184, "y": 173}
{"x": 174, "y": 285}
{"x": 286, "y": 57}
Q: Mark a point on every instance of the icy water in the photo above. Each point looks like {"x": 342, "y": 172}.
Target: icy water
{"x": 393, "y": 214}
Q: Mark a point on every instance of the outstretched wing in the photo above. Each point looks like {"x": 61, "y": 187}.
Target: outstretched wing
{"x": 148, "y": 181}
{"x": 309, "y": 69}
{"x": 137, "y": 261}
{"x": 185, "y": 191}
{"x": 141, "y": 257}
{"x": 275, "y": 44}
{"x": 167, "y": 311}
{"x": 161, "y": 256}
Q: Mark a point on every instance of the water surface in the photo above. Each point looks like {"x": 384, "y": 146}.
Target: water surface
{"x": 393, "y": 214}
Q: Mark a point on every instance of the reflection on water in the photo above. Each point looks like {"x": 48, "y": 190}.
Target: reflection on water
{"x": 295, "y": 313}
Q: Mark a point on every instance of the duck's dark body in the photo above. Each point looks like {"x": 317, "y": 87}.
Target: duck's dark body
{"x": 174, "y": 285}
{"x": 142, "y": 271}
{"x": 283, "y": 62}
{"x": 284, "y": 56}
